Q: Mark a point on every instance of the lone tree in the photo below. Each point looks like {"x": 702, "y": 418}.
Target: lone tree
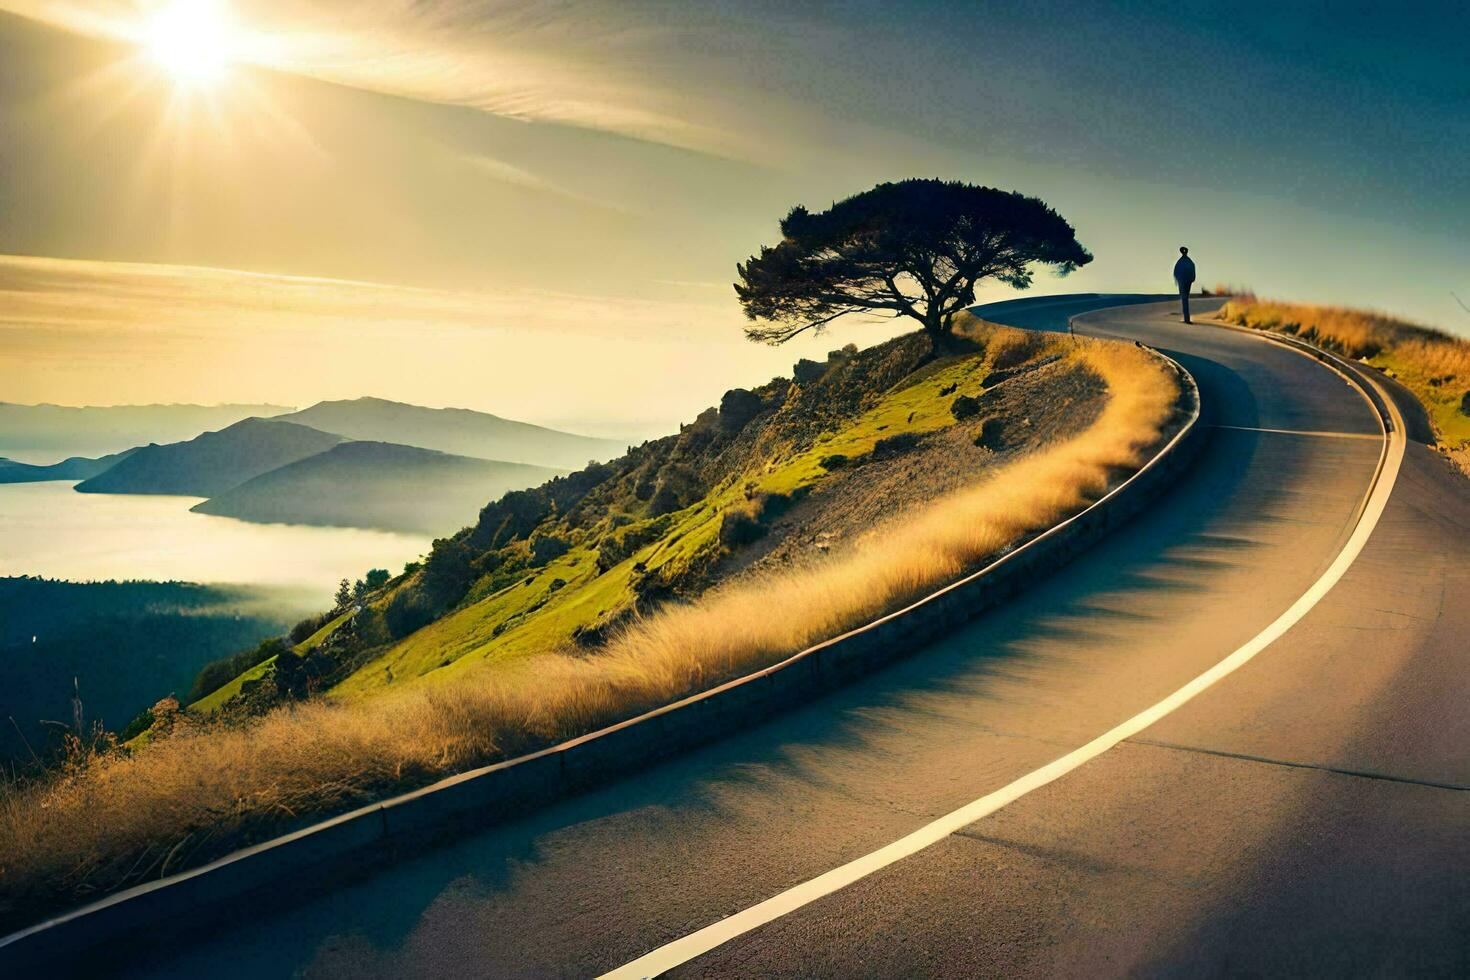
{"x": 916, "y": 248}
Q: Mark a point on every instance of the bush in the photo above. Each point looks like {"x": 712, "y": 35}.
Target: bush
{"x": 834, "y": 462}
{"x": 448, "y": 573}
{"x": 894, "y": 445}
{"x": 304, "y": 629}
{"x": 964, "y": 407}
{"x": 740, "y": 526}
{"x": 547, "y": 548}
{"x": 1465, "y": 403}
{"x": 140, "y": 724}
{"x": 992, "y": 434}
{"x": 215, "y": 674}
{"x": 405, "y": 613}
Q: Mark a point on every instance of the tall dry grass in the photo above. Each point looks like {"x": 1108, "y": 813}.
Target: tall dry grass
{"x": 1432, "y": 364}
{"x": 196, "y": 795}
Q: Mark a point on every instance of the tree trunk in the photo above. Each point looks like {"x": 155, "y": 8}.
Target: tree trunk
{"x": 937, "y": 331}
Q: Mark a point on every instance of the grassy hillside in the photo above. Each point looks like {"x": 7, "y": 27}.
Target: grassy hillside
{"x": 622, "y": 587}
{"x": 1432, "y": 364}
{"x": 45, "y": 433}
{"x": 73, "y": 468}
{"x": 212, "y": 702}
{"x": 213, "y": 462}
{"x": 456, "y": 430}
{"x": 377, "y": 485}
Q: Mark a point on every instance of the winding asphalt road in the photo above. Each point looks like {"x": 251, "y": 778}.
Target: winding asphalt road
{"x": 1306, "y": 814}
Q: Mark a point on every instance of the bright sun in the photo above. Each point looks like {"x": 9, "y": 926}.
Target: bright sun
{"x": 192, "y": 40}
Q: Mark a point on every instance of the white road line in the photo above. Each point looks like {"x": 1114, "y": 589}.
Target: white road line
{"x": 1301, "y": 432}
{"x": 698, "y": 943}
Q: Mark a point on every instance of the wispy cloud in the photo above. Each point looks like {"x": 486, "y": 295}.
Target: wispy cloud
{"x": 570, "y": 62}
{"x": 511, "y": 174}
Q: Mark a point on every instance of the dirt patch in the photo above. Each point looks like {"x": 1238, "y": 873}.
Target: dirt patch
{"x": 1026, "y": 412}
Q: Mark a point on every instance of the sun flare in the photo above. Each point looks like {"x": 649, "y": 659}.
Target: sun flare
{"x": 192, "y": 41}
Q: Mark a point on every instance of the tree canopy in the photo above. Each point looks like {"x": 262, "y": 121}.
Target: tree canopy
{"x": 915, "y": 248}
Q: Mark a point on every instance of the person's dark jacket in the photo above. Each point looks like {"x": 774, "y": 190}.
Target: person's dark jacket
{"x": 1184, "y": 271}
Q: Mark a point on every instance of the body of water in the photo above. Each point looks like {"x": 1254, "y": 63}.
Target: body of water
{"x": 49, "y": 529}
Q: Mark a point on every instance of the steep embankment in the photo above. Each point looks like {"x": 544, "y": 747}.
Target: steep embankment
{"x": 213, "y": 462}
{"x": 563, "y": 623}
{"x": 375, "y": 484}
{"x": 456, "y": 430}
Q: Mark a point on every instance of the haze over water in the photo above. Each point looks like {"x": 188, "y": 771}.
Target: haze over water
{"x": 50, "y": 530}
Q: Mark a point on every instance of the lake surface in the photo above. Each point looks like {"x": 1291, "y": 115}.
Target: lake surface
{"x": 49, "y": 529}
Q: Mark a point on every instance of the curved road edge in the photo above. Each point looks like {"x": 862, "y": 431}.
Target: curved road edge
{"x": 346, "y": 845}
{"x": 1391, "y": 456}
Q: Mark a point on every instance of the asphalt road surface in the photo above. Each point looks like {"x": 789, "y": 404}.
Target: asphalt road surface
{"x": 1306, "y": 814}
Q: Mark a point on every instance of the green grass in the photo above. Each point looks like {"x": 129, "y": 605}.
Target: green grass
{"x": 529, "y": 617}
{"x": 212, "y": 702}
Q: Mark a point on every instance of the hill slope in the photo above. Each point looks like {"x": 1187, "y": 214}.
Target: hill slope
{"x": 376, "y": 484}
{"x": 456, "y": 430}
{"x": 43, "y": 433}
{"x": 74, "y": 468}
{"x": 213, "y": 462}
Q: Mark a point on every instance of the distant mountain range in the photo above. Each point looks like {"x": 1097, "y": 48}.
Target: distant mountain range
{"x": 376, "y": 484}
{"x": 361, "y": 463}
{"x": 456, "y": 430}
{"x": 213, "y": 462}
{"x": 75, "y": 468}
{"x": 44, "y": 433}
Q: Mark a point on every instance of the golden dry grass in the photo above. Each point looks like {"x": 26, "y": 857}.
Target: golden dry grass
{"x": 193, "y": 796}
{"x": 1433, "y": 365}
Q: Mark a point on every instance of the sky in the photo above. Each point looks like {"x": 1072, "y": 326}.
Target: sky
{"x": 535, "y": 208}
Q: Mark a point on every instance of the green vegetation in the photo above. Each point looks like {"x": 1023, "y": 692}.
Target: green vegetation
{"x": 123, "y": 645}
{"x": 120, "y": 817}
{"x": 250, "y": 666}
{"x": 914, "y": 248}
{"x": 633, "y": 552}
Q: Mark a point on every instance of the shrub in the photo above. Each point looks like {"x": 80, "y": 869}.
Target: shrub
{"x": 741, "y": 526}
{"x": 834, "y": 462}
{"x": 141, "y": 722}
{"x": 1465, "y": 403}
{"x": 547, "y": 548}
{"x": 405, "y": 613}
{"x": 894, "y": 445}
{"x": 992, "y": 434}
{"x": 304, "y": 629}
{"x": 448, "y": 573}
{"x": 964, "y": 407}
{"x": 217, "y": 673}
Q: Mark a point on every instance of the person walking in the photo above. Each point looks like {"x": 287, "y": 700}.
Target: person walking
{"x": 1184, "y": 279}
